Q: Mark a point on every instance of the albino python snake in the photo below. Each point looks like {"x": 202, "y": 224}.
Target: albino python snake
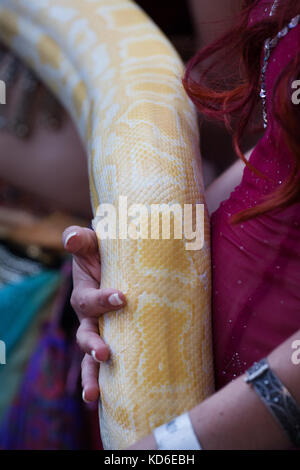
{"x": 120, "y": 80}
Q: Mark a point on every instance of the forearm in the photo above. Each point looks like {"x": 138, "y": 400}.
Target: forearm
{"x": 220, "y": 189}
{"x": 236, "y": 418}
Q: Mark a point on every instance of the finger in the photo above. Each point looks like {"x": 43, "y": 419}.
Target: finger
{"x": 90, "y": 342}
{"x": 83, "y": 245}
{"x": 89, "y": 377}
{"x": 91, "y": 302}
{"x": 80, "y": 241}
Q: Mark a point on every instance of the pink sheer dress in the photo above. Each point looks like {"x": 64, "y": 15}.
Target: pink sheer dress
{"x": 256, "y": 264}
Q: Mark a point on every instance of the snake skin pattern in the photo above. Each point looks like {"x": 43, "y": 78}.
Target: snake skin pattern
{"x": 120, "y": 80}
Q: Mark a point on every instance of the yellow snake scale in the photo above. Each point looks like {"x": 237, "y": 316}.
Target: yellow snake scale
{"x": 120, "y": 80}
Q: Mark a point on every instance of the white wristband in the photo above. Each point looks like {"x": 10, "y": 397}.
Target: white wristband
{"x": 178, "y": 434}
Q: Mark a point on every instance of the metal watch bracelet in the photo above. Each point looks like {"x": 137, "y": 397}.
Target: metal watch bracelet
{"x": 277, "y": 399}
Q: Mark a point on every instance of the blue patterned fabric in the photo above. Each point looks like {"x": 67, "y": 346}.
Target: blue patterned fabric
{"x": 21, "y": 302}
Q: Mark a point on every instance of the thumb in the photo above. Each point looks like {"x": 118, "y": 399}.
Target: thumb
{"x": 80, "y": 241}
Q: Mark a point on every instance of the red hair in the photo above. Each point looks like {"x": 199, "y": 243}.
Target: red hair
{"x": 233, "y": 99}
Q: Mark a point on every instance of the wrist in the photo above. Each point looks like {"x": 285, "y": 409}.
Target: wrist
{"x": 277, "y": 399}
{"x": 195, "y": 417}
{"x": 147, "y": 443}
{"x": 178, "y": 434}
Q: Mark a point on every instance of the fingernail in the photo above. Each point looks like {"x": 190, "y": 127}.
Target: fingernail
{"x": 115, "y": 300}
{"x": 93, "y": 353}
{"x": 71, "y": 235}
{"x": 83, "y": 397}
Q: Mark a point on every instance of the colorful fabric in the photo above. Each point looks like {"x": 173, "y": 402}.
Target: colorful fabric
{"x": 47, "y": 413}
{"x": 12, "y": 373}
{"x": 26, "y": 293}
{"x": 20, "y": 302}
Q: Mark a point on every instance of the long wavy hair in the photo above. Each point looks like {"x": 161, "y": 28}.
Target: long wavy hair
{"x": 233, "y": 98}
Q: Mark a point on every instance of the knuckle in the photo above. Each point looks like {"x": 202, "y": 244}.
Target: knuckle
{"x": 79, "y": 302}
{"x": 103, "y": 302}
{"x": 83, "y": 362}
{"x": 78, "y": 337}
{"x": 73, "y": 301}
{"x": 82, "y": 303}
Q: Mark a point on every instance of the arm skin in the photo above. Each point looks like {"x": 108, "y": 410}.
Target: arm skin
{"x": 220, "y": 189}
{"x": 236, "y": 418}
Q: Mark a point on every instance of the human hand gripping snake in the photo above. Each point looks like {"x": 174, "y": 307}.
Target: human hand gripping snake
{"x": 120, "y": 80}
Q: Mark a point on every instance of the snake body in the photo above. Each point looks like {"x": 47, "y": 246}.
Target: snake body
{"x": 120, "y": 80}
